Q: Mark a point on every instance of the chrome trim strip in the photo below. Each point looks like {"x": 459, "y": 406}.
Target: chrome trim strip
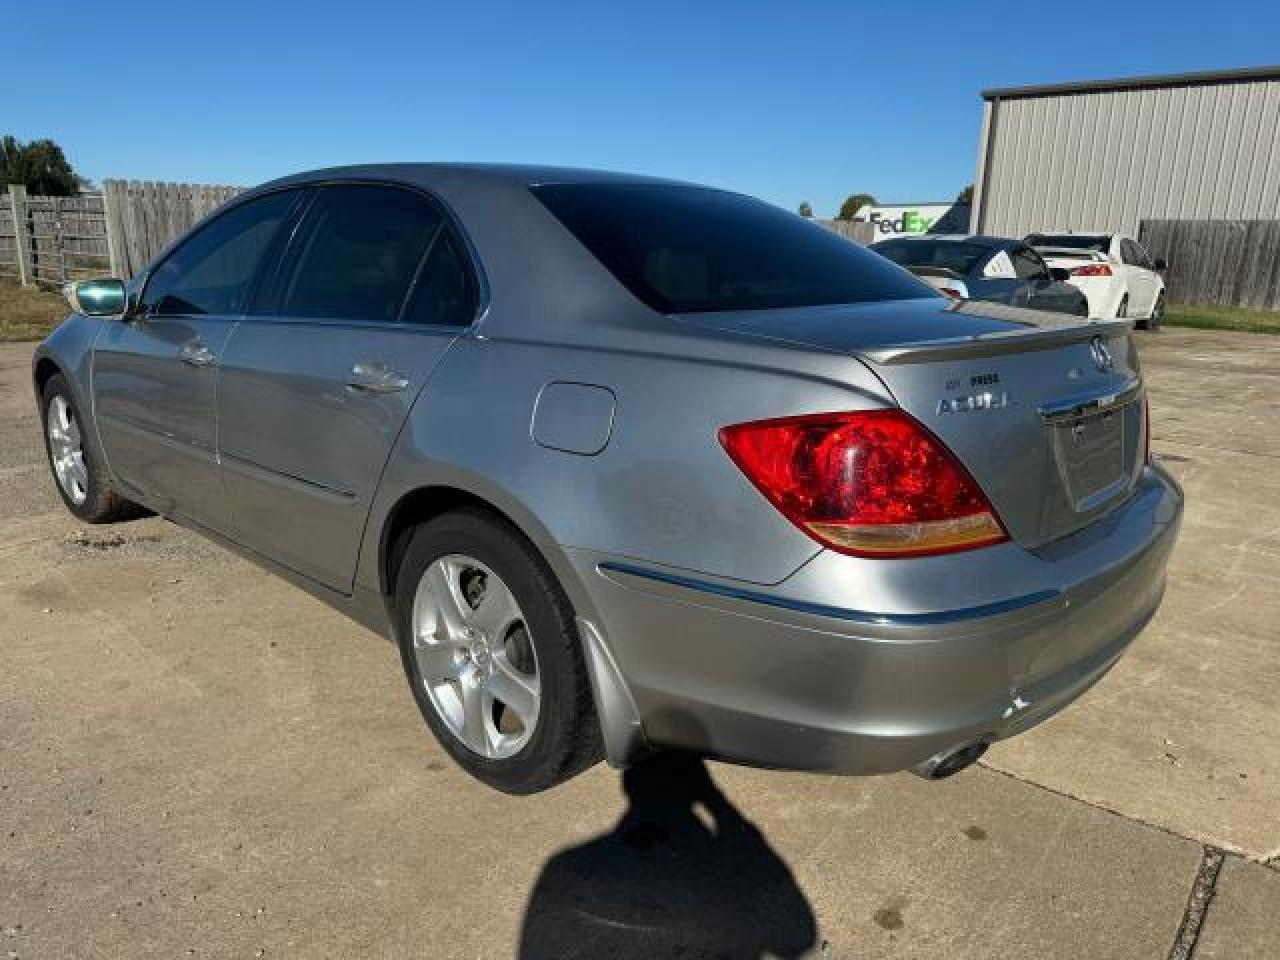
{"x": 837, "y": 613}
{"x": 1083, "y": 404}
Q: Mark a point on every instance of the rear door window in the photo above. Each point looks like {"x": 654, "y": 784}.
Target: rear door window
{"x": 1027, "y": 265}
{"x": 211, "y": 271}
{"x": 446, "y": 292}
{"x": 356, "y": 254}
{"x": 685, "y": 249}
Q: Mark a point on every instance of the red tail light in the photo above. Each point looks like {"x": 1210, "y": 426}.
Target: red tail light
{"x": 872, "y": 484}
{"x": 1092, "y": 270}
{"x": 951, "y": 292}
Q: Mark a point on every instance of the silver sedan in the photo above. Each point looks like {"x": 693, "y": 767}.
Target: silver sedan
{"x": 624, "y": 464}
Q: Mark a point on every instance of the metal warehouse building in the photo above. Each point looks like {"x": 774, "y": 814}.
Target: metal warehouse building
{"x": 1108, "y": 154}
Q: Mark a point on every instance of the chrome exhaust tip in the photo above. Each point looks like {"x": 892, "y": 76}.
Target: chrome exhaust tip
{"x": 950, "y": 762}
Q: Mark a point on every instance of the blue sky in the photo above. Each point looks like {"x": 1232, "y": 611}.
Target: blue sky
{"x": 787, "y": 101}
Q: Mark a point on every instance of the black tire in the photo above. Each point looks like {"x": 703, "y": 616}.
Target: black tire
{"x": 566, "y": 737}
{"x": 1156, "y": 320}
{"x": 101, "y": 503}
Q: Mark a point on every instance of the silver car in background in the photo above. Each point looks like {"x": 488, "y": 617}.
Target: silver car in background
{"x": 623, "y": 464}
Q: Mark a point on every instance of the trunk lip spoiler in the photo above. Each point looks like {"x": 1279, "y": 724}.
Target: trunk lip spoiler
{"x": 993, "y": 344}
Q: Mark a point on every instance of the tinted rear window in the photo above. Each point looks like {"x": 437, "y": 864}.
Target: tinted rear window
{"x": 1071, "y": 241}
{"x": 954, "y": 255}
{"x": 694, "y": 249}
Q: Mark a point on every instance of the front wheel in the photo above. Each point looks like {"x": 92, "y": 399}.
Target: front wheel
{"x": 78, "y": 475}
{"x": 491, "y": 652}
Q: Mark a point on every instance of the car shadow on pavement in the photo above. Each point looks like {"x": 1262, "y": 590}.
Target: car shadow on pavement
{"x": 682, "y": 874}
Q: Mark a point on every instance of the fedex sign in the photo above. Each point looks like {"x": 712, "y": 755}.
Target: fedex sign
{"x": 912, "y": 219}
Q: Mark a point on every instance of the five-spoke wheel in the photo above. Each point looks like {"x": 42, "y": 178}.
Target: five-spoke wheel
{"x": 73, "y": 459}
{"x": 66, "y": 449}
{"x": 477, "y": 664}
{"x": 490, "y": 646}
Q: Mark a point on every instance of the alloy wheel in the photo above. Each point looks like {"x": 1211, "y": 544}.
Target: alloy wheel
{"x": 475, "y": 659}
{"x": 66, "y": 450}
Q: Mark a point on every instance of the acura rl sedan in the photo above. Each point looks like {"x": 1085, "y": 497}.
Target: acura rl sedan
{"x": 623, "y": 464}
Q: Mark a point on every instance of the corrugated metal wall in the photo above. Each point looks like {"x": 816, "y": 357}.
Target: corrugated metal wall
{"x": 1105, "y": 160}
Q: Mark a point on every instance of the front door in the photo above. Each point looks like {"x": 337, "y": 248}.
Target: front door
{"x": 155, "y": 374}
{"x": 317, "y": 381}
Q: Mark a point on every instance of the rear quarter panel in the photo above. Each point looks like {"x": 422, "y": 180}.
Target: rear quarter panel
{"x": 662, "y": 491}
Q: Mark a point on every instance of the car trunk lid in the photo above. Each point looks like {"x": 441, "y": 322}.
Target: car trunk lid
{"x": 1044, "y": 411}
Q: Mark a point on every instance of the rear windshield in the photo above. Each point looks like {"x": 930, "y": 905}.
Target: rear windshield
{"x": 1073, "y": 241}
{"x": 695, "y": 250}
{"x": 954, "y": 255}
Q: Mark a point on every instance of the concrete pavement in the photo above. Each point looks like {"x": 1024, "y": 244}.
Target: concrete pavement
{"x": 198, "y": 760}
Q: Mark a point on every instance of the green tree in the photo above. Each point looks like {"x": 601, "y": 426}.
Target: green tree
{"x": 965, "y": 195}
{"x": 853, "y": 204}
{"x": 40, "y": 166}
{"x": 806, "y": 210}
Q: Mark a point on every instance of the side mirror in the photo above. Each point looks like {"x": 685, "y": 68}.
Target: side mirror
{"x": 97, "y": 298}
{"x": 1059, "y": 273}
{"x": 1160, "y": 263}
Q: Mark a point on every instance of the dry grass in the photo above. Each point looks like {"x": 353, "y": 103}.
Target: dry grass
{"x": 28, "y": 313}
{"x": 1224, "y": 318}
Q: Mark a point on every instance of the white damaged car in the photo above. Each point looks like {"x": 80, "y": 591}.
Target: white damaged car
{"x": 1115, "y": 273}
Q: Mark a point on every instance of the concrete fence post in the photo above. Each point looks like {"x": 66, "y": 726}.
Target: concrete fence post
{"x": 21, "y": 233}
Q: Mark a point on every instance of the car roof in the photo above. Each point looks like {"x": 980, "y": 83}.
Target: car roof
{"x": 471, "y": 174}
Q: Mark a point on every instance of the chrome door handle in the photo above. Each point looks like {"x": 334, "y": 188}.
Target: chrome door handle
{"x": 196, "y": 354}
{"x": 375, "y": 378}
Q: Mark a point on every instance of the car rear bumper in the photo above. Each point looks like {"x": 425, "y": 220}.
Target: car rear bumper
{"x": 861, "y": 666}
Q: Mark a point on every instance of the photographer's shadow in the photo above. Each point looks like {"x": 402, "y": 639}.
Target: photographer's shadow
{"x": 682, "y": 874}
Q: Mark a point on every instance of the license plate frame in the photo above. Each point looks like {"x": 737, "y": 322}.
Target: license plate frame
{"x": 1090, "y": 451}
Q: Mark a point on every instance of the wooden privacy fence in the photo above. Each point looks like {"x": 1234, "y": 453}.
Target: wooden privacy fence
{"x": 50, "y": 240}
{"x": 143, "y": 217}
{"x": 1228, "y": 263}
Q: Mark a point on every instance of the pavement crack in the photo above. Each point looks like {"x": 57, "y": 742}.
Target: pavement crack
{"x": 1202, "y": 891}
{"x": 1106, "y": 809}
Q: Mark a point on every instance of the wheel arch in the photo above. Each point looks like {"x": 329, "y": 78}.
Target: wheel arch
{"x": 44, "y": 369}
{"x": 615, "y": 707}
{"x": 423, "y": 503}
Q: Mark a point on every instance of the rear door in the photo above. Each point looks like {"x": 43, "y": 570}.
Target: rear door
{"x": 317, "y": 380}
{"x": 155, "y": 375}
